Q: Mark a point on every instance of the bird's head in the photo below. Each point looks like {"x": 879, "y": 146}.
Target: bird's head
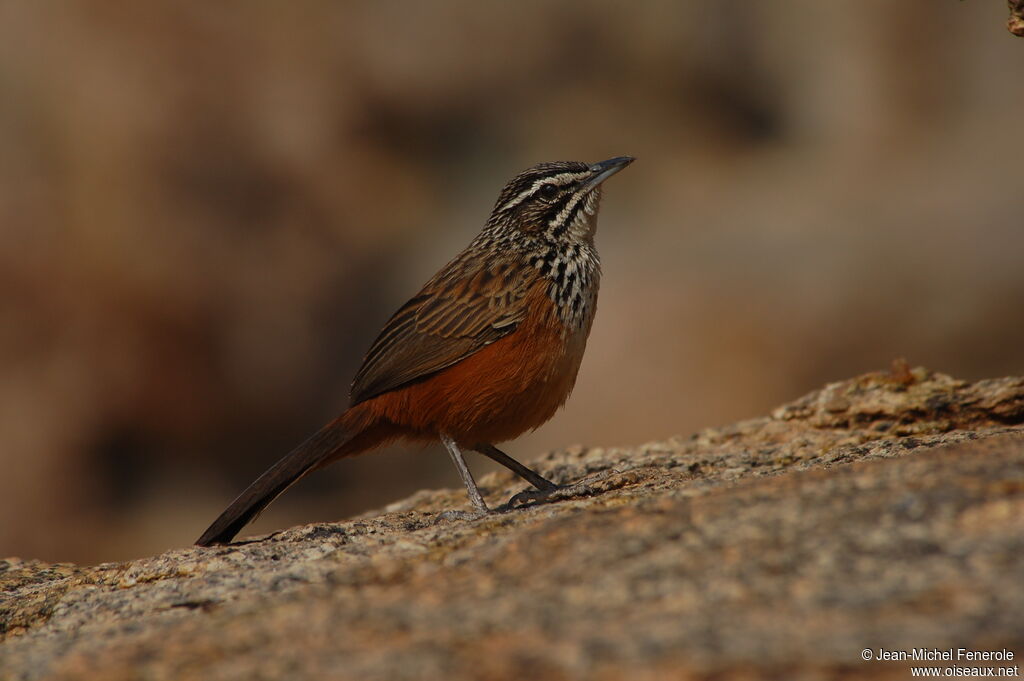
{"x": 555, "y": 201}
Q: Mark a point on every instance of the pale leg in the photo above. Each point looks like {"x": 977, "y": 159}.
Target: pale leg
{"x": 467, "y": 477}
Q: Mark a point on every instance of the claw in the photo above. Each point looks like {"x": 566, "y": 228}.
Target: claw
{"x": 588, "y": 487}
{"x": 530, "y": 495}
{"x": 558, "y": 493}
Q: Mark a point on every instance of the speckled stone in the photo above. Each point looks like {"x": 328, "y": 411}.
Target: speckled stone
{"x": 886, "y": 510}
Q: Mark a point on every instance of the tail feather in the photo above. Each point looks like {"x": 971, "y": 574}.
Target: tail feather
{"x": 317, "y": 450}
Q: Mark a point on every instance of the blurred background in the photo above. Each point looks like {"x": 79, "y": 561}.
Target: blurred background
{"x": 207, "y": 211}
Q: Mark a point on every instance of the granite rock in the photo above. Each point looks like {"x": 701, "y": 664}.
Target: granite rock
{"x": 882, "y": 511}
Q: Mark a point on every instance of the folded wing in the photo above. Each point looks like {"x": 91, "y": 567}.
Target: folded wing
{"x": 465, "y": 307}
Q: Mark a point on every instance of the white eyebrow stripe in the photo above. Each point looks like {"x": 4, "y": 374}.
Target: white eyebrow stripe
{"x": 560, "y": 179}
{"x": 564, "y": 213}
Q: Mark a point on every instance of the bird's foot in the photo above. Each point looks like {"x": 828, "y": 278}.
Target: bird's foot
{"x": 584, "y": 488}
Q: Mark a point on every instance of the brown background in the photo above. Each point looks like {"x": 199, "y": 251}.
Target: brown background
{"x": 207, "y": 210}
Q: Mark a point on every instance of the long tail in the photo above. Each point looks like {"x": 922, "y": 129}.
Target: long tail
{"x": 321, "y": 448}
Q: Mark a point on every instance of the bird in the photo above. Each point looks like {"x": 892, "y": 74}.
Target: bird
{"x": 487, "y": 350}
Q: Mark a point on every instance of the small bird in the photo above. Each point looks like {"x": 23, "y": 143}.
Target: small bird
{"x": 487, "y": 350}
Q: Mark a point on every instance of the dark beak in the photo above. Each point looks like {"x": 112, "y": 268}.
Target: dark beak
{"x": 602, "y": 170}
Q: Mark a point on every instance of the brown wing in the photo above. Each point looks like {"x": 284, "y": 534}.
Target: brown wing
{"x": 462, "y": 309}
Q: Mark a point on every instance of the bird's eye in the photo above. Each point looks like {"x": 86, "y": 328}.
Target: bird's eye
{"x": 548, "y": 191}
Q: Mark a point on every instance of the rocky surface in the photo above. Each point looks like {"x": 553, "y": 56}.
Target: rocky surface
{"x": 882, "y": 511}
{"x": 1015, "y": 24}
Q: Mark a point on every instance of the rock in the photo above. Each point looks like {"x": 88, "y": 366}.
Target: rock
{"x": 883, "y": 511}
{"x": 1015, "y": 24}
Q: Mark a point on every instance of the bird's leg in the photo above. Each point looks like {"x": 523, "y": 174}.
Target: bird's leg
{"x": 467, "y": 478}
{"x": 528, "y": 474}
{"x": 546, "y": 490}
